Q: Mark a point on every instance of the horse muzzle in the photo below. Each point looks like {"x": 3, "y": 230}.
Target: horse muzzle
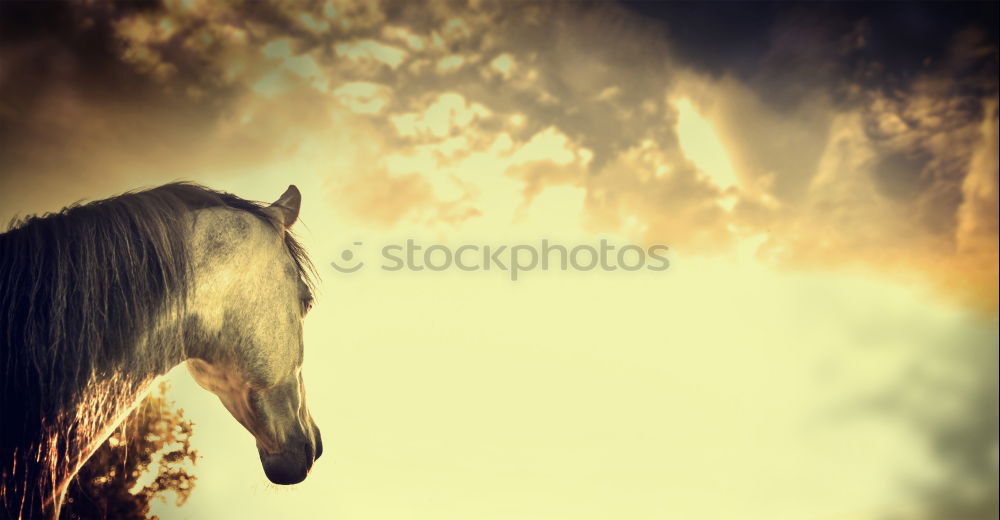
{"x": 291, "y": 465}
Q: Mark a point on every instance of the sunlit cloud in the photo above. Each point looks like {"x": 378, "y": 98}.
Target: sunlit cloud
{"x": 363, "y": 97}
{"x": 372, "y": 50}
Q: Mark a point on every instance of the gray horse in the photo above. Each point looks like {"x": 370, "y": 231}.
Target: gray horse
{"x": 99, "y": 300}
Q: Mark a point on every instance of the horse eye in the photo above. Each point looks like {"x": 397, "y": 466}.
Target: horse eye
{"x": 307, "y": 304}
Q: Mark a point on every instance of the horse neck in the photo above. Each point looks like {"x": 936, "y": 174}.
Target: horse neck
{"x": 107, "y": 401}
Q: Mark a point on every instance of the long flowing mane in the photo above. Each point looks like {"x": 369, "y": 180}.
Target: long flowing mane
{"x": 80, "y": 288}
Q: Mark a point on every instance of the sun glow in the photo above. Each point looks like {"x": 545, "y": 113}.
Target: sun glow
{"x": 702, "y": 146}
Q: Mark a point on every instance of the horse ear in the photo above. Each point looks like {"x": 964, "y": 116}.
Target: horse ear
{"x": 285, "y": 210}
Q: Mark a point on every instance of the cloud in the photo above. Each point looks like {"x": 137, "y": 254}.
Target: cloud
{"x": 363, "y": 97}
{"x": 446, "y": 113}
{"x": 977, "y": 230}
{"x": 373, "y": 50}
{"x": 830, "y": 166}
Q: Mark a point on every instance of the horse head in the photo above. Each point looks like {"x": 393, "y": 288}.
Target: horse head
{"x": 247, "y": 301}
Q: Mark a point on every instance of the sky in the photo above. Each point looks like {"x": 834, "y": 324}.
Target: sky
{"x": 822, "y": 346}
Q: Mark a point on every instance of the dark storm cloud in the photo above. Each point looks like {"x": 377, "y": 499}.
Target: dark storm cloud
{"x": 90, "y": 97}
{"x": 921, "y": 76}
{"x": 73, "y": 111}
{"x": 771, "y": 44}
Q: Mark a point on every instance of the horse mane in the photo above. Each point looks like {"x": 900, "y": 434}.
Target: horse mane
{"x": 78, "y": 288}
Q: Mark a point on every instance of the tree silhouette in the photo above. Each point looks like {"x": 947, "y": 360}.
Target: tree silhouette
{"x": 147, "y": 457}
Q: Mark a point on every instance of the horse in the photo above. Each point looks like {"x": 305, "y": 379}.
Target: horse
{"x": 101, "y": 299}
